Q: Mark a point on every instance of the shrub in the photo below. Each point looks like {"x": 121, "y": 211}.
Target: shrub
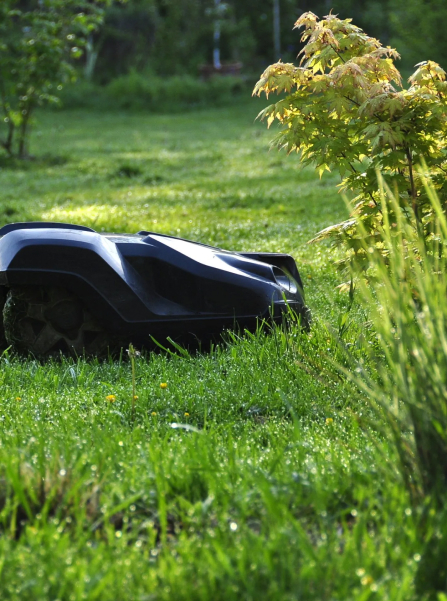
{"x": 83, "y": 94}
{"x": 345, "y": 109}
{"x": 138, "y": 91}
{"x": 149, "y": 92}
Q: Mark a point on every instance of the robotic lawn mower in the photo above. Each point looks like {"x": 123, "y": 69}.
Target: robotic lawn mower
{"x": 68, "y": 288}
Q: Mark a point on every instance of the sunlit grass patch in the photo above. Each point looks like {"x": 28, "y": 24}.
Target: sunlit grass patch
{"x": 240, "y": 473}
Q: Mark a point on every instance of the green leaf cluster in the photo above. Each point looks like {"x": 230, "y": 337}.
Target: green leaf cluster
{"x": 345, "y": 109}
{"x": 37, "y": 48}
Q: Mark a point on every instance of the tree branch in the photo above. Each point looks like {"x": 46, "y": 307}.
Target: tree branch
{"x": 413, "y": 192}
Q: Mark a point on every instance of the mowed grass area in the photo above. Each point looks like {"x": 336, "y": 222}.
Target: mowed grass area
{"x": 247, "y": 476}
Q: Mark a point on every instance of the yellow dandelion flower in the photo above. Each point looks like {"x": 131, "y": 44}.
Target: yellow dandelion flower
{"x": 135, "y": 396}
{"x": 329, "y": 421}
{"x": 111, "y": 398}
{"x": 154, "y": 413}
{"x": 186, "y": 414}
{"x": 164, "y": 385}
{"x": 18, "y": 398}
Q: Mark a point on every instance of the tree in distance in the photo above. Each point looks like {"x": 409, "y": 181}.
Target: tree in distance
{"x": 37, "y": 48}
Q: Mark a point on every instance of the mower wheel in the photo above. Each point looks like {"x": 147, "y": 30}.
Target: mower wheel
{"x": 47, "y": 321}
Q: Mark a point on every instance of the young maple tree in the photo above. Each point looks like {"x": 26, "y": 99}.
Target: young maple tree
{"x": 346, "y": 110}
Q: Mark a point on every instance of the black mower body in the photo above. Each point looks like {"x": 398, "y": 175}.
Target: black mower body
{"x": 147, "y": 284}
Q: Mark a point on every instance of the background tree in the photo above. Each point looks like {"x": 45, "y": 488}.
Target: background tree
{"x": 169, "y": 37}
{"x": 419, "y": 29}
{"x": 38, "y": 42}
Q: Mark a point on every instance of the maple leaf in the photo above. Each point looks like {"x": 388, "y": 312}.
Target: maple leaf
{"x": 308, "y": 20}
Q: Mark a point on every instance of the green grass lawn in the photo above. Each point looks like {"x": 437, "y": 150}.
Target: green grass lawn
{"x": 247, "y": 476}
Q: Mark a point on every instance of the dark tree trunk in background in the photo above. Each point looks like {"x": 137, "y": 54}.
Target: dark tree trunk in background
{"x": 276, "y": 30}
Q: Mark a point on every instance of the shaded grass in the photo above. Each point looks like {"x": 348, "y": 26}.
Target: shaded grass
{"x": 246, "y": 477}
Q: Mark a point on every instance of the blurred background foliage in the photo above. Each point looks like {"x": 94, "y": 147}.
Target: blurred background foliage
{"x": 141, "y": 44}
{"x": 169, "y": 37}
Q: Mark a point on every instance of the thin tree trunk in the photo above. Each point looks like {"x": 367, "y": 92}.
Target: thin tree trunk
{"x": 91, "y": 57}
{"x": 216, "y": 37}
{"x": 23, "y": 133}
{"x": 412, "y": 186}
{"x": 276, "y": 30}
{"x": 7, "y": 144}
